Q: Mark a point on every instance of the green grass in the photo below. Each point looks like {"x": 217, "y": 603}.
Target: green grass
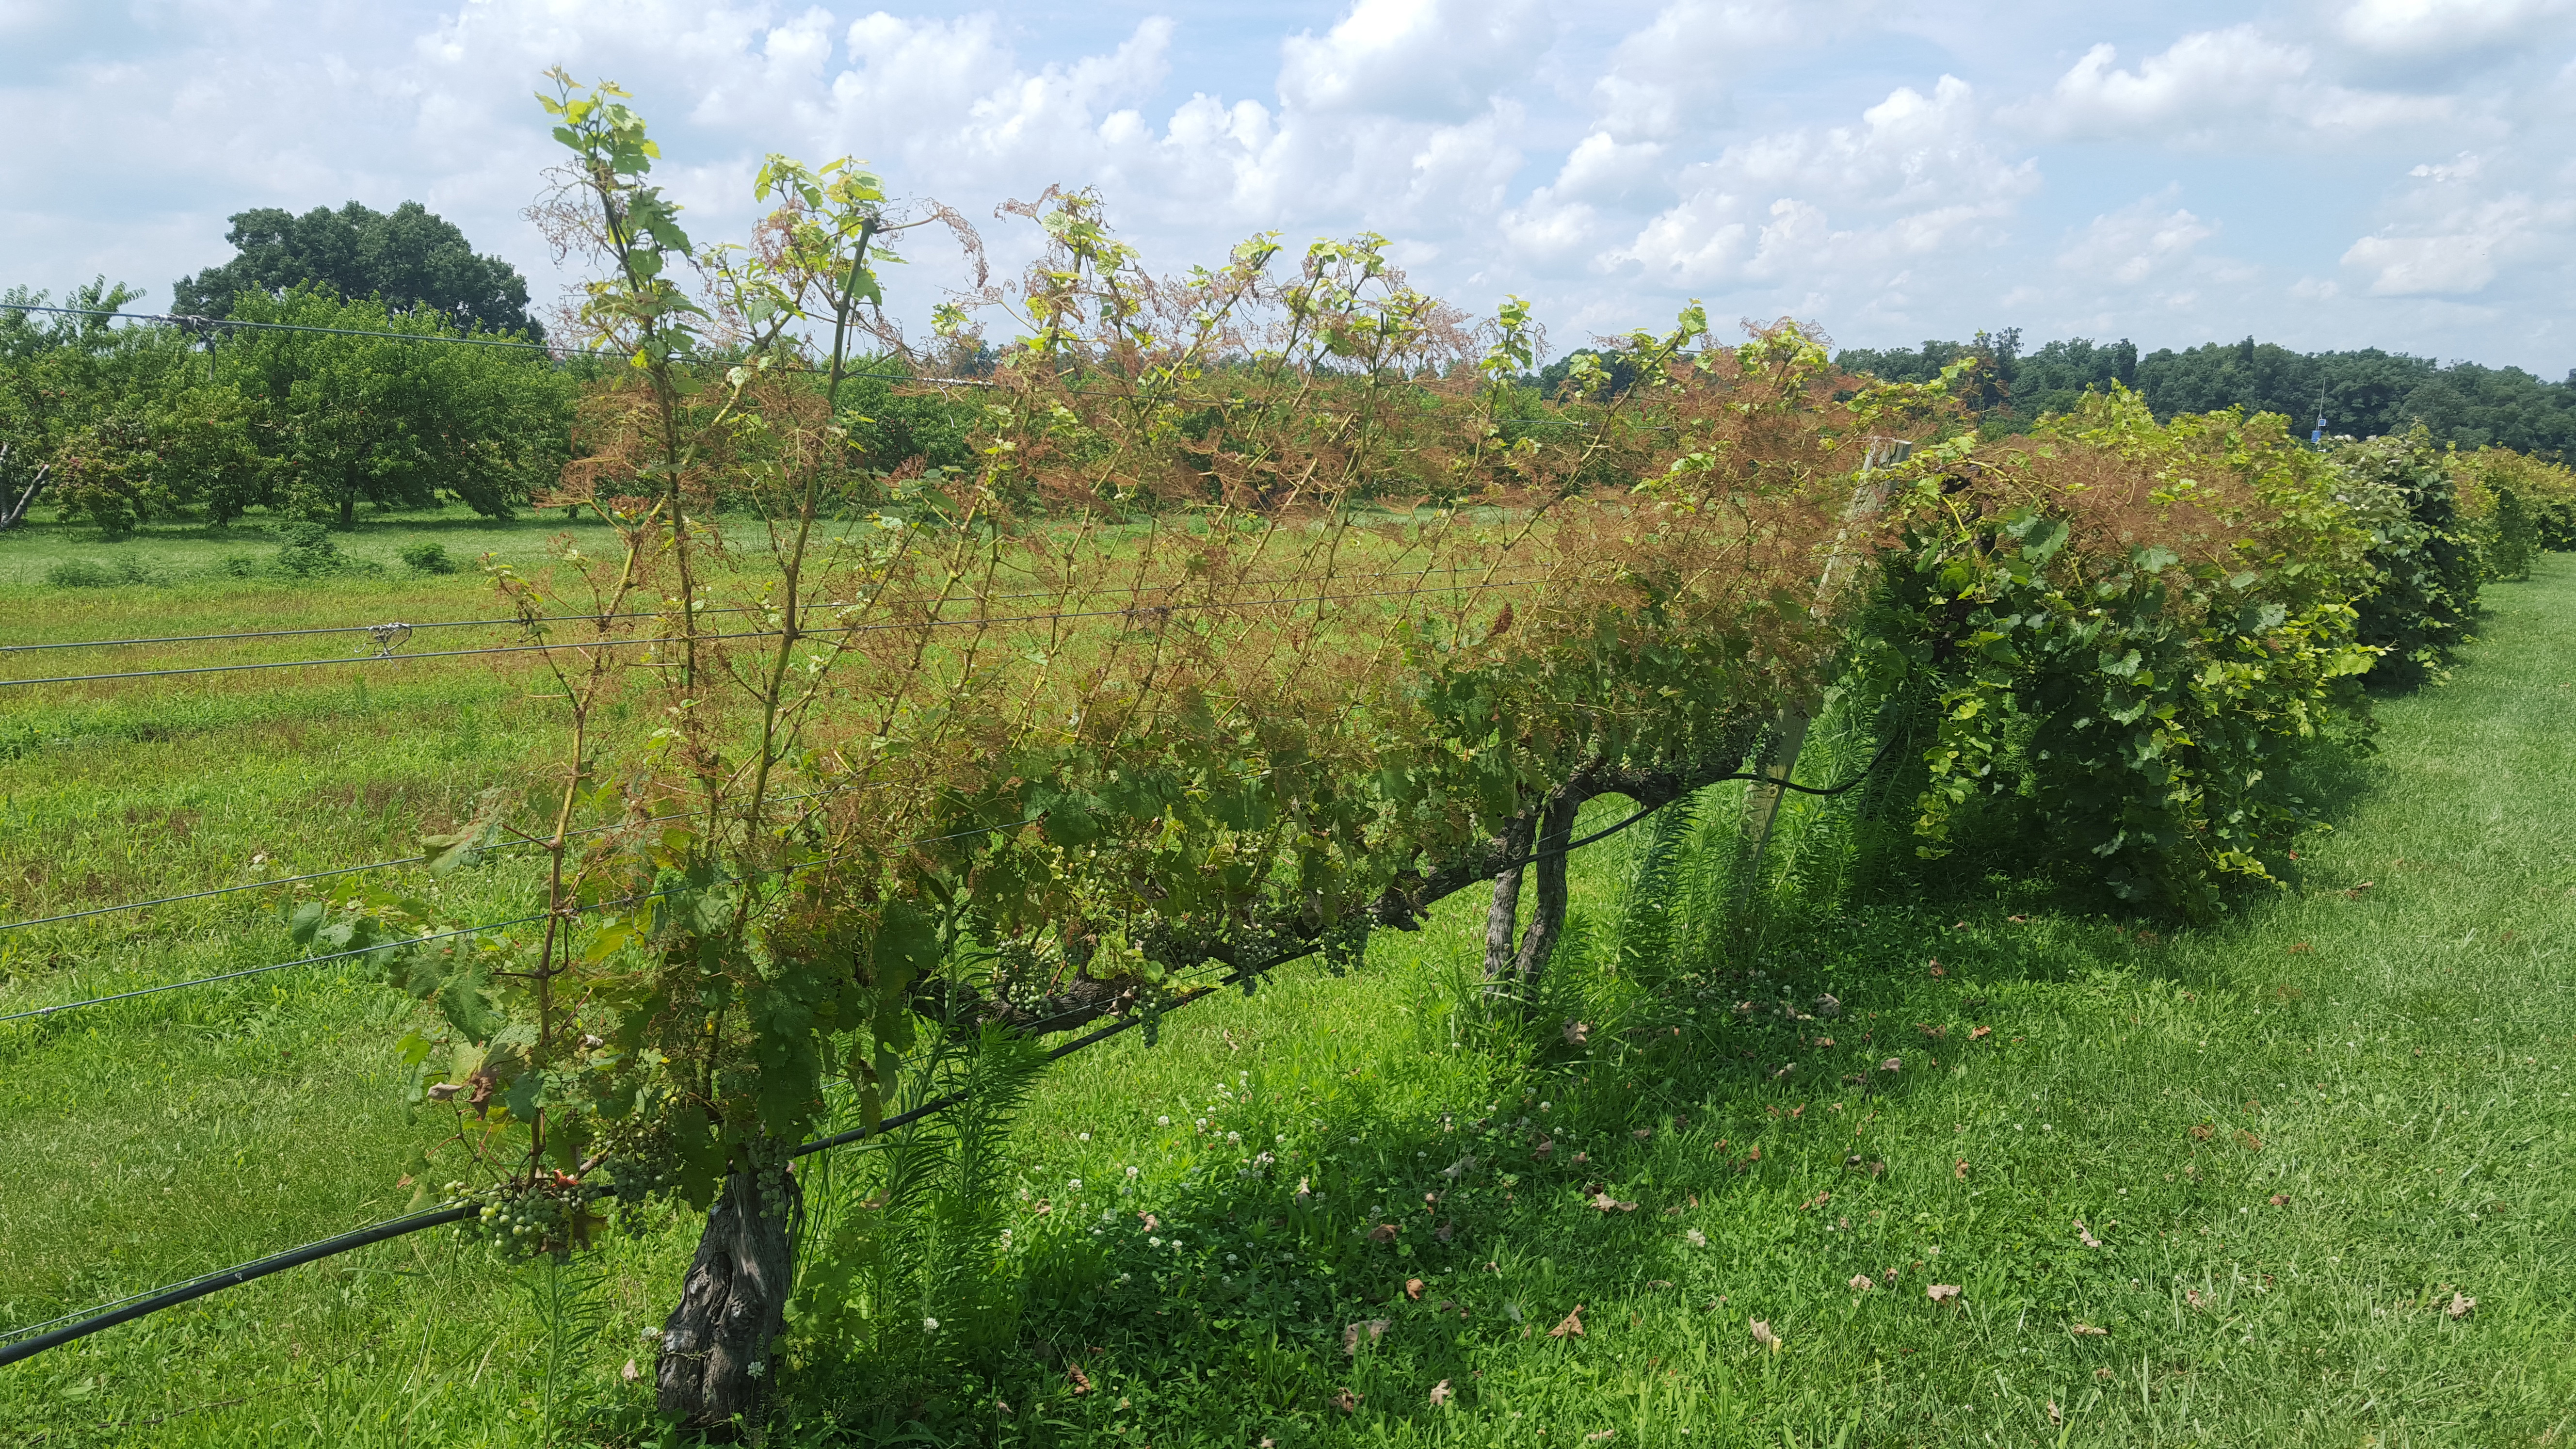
{"x": 2400, "y": 1052}
{"x": 185, "y": 556}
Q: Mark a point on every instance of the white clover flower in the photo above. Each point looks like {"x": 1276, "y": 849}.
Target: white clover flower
{"x": 1163, "y": 1121}
{"x": 930, "y": 1325}
{"x": 1234, "y": 1137}
{"x": 1082, "y": 1137}
{"x": 1131, "y": 1173}
{"x": 1153, "y": 1242}
{"x": 1073, "y": 1184}
{"x": 756, "y": 1370}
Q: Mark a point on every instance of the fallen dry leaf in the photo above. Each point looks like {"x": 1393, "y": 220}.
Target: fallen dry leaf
{"x": 1347, "y": 1402}
{"x": 1577, "y": 1033}
{"x": 1382, "y": 1233}
{"x": 1440, "y": 1393}
{"x": 2192, "y": 1297}
{"x": 1891, "y": 1064}
{"x": 2018, "y": 920}
{"x": 2461, "y": 1306}
{"x": 2086, "y": 1330}
{"x": 1937, "y": 1033}
{"x": 2249, "y": 1141}
{"x": 2085, "y": 1236}
{"x": 1544, "y": 1147}
{"x": 1763, "y": 1335}
{"x": 2280, "y": 1199}
{"x": 1444, "y": 1232}
{"x": 631, "y": 1373}
{"x": 1081, "y": 1381}
{"x": 1861, "y": 1283}
{"x": 1654, "y": 1283}
{"x": 1152, "y": 1222}
{"x": 2300, "y": 948}
{"x": 1942, "y": 1292}
{"x": 1600, "y": 1436}
{"x": 1413, "y": 1289}
{"x": 1608, "y": 1204}
{"x": 1642, "y": 1133}
{"x": 2203, "y": 1133}
{"x": 2055, "y": 1417}
{"x": 1572, "y": 1326}
{"x": 1981, "y": 1033}
{"x": 1960, "y": 1170}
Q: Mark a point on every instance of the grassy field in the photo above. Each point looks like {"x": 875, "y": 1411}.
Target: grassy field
{"x": 2232, "y": 1185}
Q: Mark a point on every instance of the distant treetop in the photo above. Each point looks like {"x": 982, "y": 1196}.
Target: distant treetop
{"x": 2363, "y": 393}
{"x": 410, "y": 258}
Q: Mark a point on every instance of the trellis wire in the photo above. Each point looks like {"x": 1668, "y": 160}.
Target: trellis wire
{"x": 824, "y": 633}
{"x": 655, "y": 614}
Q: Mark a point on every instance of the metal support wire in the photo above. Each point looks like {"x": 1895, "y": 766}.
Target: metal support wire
{"x": 825, "y": 633}
{"x": 465, "y": 931}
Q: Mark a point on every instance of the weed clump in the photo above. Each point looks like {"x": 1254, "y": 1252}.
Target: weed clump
{"x": 428, "y": 558}
{"x": 307, "y": 551}
{"x": 90, "y": 573}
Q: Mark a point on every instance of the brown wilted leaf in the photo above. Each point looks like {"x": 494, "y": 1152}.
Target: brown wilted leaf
{"x": 1642, "y": 1133}
{"x": 1937, "y": 1033}
{"x": 1081, "y": 1381}
{"x": 1577, "y": 1033}
{"x": 1382, "y": 1233}
{"x": 1763, "y": 1335}
{"x": 2355, "y": 892}
{"x": 1942, "y": 1292}
{"x": 2203, "y": 1133}
{"x": 2191, "y": 1296}
{"x": 2280, "y": 1199}
{"x": 631, "y": 1373}
{"x": 2249, "y": 1141}
{"x": 1347, "y": 1402}
{"x": 1043, "y": 1207}
{"x": 1892, "y": 1064}
{"x": 2054, "y": 1416}
{"x": 1981, "y": 1033}
{"x": 1861, "y": 1283}
{"x": 2461, "y": 1306}
{"x": 1656, "y": 1283}
{"x": 1545, "y": 1146}
{"x": 1413, "y": 1289}
{"x": 1571, "y": 1327}
{"x": 2086, "y": 1330}
{"x": 2018, "y": 920}
{"x": 1824, "y": 1041}
{"x": 1150, "y": 1221}
{"x": 2085, "y": 1236}
{"x": 1937, "y": 971}
{"x": 2300, "y": 948}
{"x": 1960, "y": 1169}
{"x": 445, "y": 1090}
{"x": 1608, "y": 1204}
{"x": 1444, "y": 1232}
{"x": 1440, "y": 1394}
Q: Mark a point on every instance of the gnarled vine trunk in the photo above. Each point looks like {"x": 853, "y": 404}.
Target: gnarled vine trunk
{"x": 733, "y": 1305}
{"x": 1539, "y": 844}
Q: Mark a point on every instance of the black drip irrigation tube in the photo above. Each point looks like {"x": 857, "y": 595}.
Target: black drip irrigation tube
{"x": 349, "y": 1242}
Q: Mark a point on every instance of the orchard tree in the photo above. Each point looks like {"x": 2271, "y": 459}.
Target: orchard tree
{"x": 409, "y": 258}
{"x": 398, "y": 417}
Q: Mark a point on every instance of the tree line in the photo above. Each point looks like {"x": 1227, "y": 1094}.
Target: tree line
{"x": 2362, "y": 393}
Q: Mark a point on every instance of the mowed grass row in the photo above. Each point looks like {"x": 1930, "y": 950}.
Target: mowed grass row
{"x": 2391, "y": 1060}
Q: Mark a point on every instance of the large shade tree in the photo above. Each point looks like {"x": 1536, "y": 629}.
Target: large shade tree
{"x": 409, "y": 257}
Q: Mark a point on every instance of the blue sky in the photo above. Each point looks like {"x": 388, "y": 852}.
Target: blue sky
{"x": 2324, "y": 173}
